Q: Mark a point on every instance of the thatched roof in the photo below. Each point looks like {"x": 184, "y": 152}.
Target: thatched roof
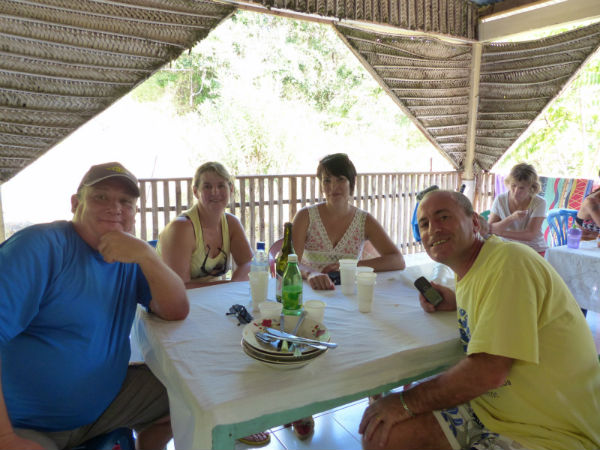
{"x": 62, "y": 62}
{"x": 431, "y": 80}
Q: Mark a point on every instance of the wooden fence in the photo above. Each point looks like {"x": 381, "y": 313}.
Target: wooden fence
{"x": 263, "y": 203}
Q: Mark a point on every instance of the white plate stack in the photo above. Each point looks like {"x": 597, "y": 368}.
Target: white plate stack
{"x": 276, "y": 358}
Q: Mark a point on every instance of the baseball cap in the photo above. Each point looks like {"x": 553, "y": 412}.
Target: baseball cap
{"x": 104, "y": 171}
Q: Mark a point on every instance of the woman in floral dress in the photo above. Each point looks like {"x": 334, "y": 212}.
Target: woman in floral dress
{"x": 327, "y": 232}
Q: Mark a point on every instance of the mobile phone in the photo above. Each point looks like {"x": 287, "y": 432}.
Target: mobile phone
{"x": 335, "y": 277}
{"x": 428, "y": 291}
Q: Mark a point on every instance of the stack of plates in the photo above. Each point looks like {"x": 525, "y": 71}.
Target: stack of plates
{"x": 271, "y": 356}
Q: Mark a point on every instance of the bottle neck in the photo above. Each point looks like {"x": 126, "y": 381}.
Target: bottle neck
{"x": 287, "y": 246}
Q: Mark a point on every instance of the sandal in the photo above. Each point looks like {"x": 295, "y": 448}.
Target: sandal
{"x": 257, "y": 439}
{"x": 304, "y": 428}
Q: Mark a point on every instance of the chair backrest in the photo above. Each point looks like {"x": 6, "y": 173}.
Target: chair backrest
{"x": 121, "y": 438}
{"x": 560, "y": 220}
{"x": 153, "y": 242}
{"x": 273, "y": 250}
{"x": 415, "y": 224}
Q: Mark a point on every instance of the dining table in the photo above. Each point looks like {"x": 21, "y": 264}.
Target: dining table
{"x": 579, "y": 268}
{"x": 218, "y": 394}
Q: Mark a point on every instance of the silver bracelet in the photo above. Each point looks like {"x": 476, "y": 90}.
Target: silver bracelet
{"x": 406, "y": 408}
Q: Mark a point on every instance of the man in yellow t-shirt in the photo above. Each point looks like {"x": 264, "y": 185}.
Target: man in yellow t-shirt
{"x": 531, "y": 376}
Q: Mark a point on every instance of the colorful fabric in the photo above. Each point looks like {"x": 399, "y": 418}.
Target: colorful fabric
{"x": 512, "y": 303}
{"x": 563, "y": 193}
{"x": 463, "y": 429}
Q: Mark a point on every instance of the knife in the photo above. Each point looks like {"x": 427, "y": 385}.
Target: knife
{"x": 283, "y": 335}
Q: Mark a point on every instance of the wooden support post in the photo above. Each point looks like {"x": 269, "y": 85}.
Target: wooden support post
{"x": 468, "y": 176}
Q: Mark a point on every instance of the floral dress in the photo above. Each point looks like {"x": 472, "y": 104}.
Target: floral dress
{"x": 318, "y": 249}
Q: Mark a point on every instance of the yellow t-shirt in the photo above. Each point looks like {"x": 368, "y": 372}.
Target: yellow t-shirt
{"x": 512, "y": 303}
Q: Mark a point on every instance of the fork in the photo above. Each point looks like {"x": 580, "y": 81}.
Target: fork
{"x": 296, "y": 347}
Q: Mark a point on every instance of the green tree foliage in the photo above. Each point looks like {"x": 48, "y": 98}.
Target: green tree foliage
{"x": 564, "y": 141}
{"x": 273, "y": 95}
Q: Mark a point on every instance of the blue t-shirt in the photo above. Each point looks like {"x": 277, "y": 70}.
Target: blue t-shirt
{"x": 65, "y": 319}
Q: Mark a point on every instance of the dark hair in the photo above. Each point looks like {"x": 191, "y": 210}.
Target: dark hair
{"x": 337, "y": 164}
{"x": 525, "y": 173}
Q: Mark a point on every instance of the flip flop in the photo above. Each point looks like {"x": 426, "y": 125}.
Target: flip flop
{"x": 304, "y": 428}
{"x": 257, "y": 439}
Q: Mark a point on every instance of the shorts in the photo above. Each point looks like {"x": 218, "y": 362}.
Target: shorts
{"x": 141, "y": 401}
{"x": 464, "y": 430}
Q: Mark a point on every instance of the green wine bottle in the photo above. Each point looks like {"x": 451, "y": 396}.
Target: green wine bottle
{"x": 291, "y": 291}
{"x": 282, "y": 259}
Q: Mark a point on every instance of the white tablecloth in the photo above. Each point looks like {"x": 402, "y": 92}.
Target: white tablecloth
{"x": 217, "y": 393}
{"x": 580, "y": 268}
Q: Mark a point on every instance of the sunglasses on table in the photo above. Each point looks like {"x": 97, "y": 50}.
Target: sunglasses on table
{"x": 219, "y": 269}
{"x": 242, "y": 314}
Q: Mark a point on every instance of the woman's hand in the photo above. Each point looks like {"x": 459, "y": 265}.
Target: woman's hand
{"x": 320, "y": 281}
{"x": 331, "y": 267}
{"x": 517, "y": 215}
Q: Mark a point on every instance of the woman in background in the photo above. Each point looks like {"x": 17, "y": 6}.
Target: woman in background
{"x": 327, "y": 232}
{"x": 518, "y": 214}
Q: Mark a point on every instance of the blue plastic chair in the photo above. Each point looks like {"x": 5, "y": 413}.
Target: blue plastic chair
{"x": 153, "y": 242}
{"x": 560, "y": 220}
{"x": 121, "y": 438}
{"x": 415, "y": 224}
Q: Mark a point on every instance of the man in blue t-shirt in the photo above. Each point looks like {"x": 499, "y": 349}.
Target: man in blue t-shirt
{"x": 68, "y": 295}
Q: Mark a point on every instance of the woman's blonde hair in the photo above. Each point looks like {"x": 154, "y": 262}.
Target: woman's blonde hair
{"x": 215, "y": 167}
{"x": 524, "y": 172}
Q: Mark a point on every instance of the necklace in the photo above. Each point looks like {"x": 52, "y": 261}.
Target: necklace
{"x": 475, "y": 252}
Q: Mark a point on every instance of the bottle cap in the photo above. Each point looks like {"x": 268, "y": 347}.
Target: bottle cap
{"x": 260, "y": 245}
{"x": 292, "y": 257}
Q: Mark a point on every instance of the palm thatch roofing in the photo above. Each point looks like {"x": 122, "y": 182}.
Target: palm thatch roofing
{"x": 62, "y": 62}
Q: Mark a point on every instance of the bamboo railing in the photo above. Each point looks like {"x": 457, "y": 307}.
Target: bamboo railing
{"x": 263, "y": 203}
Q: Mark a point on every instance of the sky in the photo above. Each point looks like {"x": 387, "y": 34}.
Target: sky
{"x": 151, "y": 141}
{"x": 128, "y": 132}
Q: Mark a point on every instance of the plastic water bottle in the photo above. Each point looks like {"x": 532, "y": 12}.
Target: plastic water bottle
{"x": 291, "y": 291}
{"x": 260, "y": 261}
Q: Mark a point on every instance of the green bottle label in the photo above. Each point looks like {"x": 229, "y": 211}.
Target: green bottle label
{"x": 292, "y": 299}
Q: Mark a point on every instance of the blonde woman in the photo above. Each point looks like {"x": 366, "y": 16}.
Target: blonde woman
{"x": 198, "y": 244}
{"x": 518, "y": 214}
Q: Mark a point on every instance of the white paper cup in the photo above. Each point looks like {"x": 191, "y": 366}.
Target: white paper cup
{"x": 315, "y": 309}
{"x": 365, "y": 282}
{"x": 361, "y": 269}
{"x": 270, "y": 310}
{"x": 348, "y": 275}
{"x": 259, "y": 283}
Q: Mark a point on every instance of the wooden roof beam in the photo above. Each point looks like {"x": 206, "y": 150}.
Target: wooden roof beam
{"x": 513, "y": 17}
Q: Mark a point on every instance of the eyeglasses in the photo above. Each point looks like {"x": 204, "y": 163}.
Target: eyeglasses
{"x": 242, "y": 314}
{"x": 219, "y": 269}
